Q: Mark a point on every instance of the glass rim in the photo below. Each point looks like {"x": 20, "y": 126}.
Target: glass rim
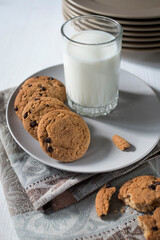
{"x": 118, "y": 25}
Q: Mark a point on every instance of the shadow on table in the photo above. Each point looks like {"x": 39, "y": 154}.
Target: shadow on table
{"x": 115, "y": 208}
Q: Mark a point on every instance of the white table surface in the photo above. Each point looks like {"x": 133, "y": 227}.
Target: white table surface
{"x": 30, "y": 40}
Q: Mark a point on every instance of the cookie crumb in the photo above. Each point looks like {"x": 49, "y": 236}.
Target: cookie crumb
{"x": 122, "y": 210}
{"x": 120, "y": 142}
{"x": 131, "y": 212}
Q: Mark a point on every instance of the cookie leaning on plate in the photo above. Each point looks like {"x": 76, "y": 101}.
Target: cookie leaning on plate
{"x": 29, "y": 93}
{"x": 141, "y": 193}
{"x": 59, "y": 87}
{"x": 63, "y": 135}
{"x": 36, "y": 109}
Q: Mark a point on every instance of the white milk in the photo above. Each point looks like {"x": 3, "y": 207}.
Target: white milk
{"x": 91, "y": 72}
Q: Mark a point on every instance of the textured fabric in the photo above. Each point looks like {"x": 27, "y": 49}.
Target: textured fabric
{"x": 78, "y": 221}
{"x": 32, "y": 187}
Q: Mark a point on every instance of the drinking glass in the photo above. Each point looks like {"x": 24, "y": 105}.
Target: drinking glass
{"x": 91, "y": 53}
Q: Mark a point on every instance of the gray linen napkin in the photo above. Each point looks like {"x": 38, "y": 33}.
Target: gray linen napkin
{"x": 30, "y": 185}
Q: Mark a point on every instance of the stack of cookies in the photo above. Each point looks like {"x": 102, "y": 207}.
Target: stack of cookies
{"x": 62, "y": 134}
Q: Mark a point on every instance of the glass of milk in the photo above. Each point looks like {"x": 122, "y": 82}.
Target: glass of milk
{"x": 92, "y": 47}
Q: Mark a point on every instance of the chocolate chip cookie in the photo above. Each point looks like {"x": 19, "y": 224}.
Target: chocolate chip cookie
{"x": 151, "y": 225}
{"x": 141, "y": 193}
{"x": 63, "y": 135}
{"x": 29, "y": 93}
{"x": 36, "y": 109}
{"x": 103, "y": 198}
{"x": 59, "y": 88}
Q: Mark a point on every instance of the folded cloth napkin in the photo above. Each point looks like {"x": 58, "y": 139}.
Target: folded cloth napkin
{"x": 32, "y": 188}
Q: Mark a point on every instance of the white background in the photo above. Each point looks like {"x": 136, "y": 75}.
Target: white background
{"x": 30, "y": 40}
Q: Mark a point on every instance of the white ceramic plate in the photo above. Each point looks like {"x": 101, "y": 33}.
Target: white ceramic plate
{"x": 137, "y": 118}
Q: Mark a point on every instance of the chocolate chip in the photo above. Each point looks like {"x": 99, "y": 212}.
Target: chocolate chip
{"x": 40, "y": 94}
{"x": 30, "y": 85}
{"x": 49, "y": 121}
{"x": 33, "y": 124}
{"x": 155, "y": 228}
{"x": 152, "y": 186}
{"x": 47, "y": 105}
{"x": 16, "y": 109}
{"x": 50, "y": 78}
{"x": 48, "y": 140}
{"x": 25, "y": 115}
{"x": 37, "y": 99}
{"x": 60, "y": 85}
{"x": 43, "y": 89}
{"x": 29, "y": 111}
{"x": 50, "y": 149}
{"x": 37, "y": 77}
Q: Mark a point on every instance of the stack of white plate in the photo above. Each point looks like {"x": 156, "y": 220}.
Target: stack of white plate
{"x": 140, "y": 19}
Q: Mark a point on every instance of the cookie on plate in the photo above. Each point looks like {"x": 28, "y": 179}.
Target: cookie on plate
{"x": 141, "y": 193}
{"x": 63, "y": 135}
{"x": 36, "y": 109}
{"x": 59, "y": 87}
{"x": 120, "y": 142}
{"x": 103, "y": 198}
{"x": 29, "y": 93}
{"x": 150, "y": 224}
